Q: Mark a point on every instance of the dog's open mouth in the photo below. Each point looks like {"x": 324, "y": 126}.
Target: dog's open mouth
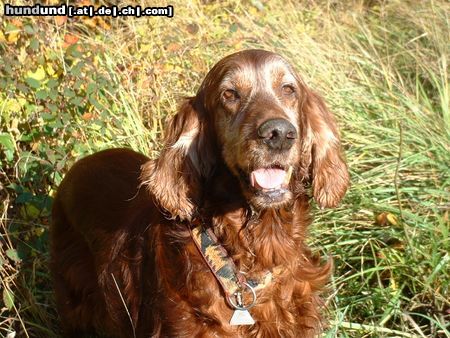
{"x": 270, "y": 179}
{"x": 268, "y": 185}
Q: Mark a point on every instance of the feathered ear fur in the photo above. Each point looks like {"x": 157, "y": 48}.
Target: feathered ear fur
{"x": 175, "y": 178}
{"x": 321, "y": 152}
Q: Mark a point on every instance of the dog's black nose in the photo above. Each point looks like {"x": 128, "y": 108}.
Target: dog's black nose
{"x": 278, "y": 134}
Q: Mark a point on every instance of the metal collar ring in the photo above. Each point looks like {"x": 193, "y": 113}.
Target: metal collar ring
{"x": 243, "y": 307}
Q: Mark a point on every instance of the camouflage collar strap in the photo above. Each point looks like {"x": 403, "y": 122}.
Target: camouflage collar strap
{"x": 232, "y": 281}
{"x": 218, "y": 260}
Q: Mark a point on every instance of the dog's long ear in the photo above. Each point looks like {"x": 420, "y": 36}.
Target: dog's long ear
{"x": 175, "y": 178}
{"x": 321, "y": 151}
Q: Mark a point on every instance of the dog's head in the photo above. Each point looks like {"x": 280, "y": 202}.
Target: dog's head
{"x": 254, "y": 115}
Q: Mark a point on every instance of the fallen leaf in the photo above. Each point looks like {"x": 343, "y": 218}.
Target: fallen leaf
{"x": 392, "y": 219}
{"x": 386, "y": 218}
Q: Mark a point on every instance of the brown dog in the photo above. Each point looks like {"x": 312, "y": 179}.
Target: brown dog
{"x": 213, "y": 230}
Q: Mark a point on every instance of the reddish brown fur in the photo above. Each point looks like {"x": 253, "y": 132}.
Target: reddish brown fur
{"x": 120, "y": 220}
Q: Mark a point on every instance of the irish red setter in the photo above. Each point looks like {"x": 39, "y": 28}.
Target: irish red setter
{"x": 239, "y": 164}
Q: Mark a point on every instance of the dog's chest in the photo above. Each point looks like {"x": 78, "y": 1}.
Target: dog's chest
{"x": 274, "y": 304}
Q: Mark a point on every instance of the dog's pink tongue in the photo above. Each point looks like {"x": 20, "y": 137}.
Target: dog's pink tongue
{"x": 268, "y": 178}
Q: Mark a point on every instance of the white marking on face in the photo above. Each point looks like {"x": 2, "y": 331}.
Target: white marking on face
{"x": 271, "y": 72}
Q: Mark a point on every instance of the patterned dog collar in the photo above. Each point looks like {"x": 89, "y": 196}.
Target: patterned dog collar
{"x": 218, "y": 260}
{"x": 232, "y": 281}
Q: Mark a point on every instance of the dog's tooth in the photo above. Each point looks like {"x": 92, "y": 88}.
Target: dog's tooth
{"x": 288, "y": 176}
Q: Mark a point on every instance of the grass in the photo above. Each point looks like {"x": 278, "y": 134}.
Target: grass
{"x": 382, "y": 67}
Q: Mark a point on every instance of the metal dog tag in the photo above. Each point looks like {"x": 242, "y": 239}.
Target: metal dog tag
{"x": 241, "y": 317}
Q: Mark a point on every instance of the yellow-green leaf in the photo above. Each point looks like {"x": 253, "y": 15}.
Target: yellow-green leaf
{"x": 8, "y": 298}
{"x": 12, "y": 254}
{"x": 38, "y": 75}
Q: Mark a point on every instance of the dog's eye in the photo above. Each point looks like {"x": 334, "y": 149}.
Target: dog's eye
{"x": 288, "y": 89}
{"x": 230, "y": 95}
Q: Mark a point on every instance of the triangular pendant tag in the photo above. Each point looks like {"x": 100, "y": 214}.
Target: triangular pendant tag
{"x": 241, "y": 317}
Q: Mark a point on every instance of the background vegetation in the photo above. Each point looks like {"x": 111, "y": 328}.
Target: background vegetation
{"x": 71, "y": 87}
